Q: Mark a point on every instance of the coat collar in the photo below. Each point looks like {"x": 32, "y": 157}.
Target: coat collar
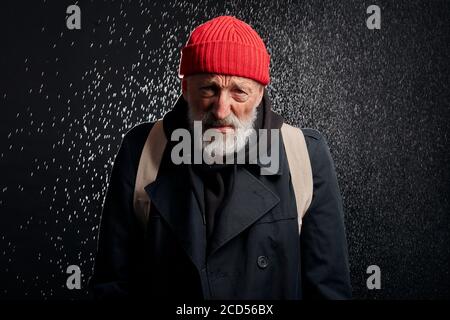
{"x": 250, "y": 200}
{"x": 173, "y": 197}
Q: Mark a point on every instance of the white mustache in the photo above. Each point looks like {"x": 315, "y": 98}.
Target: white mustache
{"x": 209, "y": 121}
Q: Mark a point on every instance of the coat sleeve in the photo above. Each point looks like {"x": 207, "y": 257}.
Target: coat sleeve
{"x": 120, "y": 240}
{"x": 324, "y": 253}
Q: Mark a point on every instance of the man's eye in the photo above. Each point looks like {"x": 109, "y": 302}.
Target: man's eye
{"x": 239, "y": 91}
{"x": 208, "y": 90}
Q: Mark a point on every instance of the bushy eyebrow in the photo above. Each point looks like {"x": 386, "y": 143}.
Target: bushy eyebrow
{"x": 234, "y": 84}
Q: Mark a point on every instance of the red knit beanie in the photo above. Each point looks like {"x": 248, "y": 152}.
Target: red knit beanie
{"x": 226, "y": 45}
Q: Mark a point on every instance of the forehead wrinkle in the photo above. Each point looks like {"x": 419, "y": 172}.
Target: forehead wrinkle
{"x": 232, "y": 82}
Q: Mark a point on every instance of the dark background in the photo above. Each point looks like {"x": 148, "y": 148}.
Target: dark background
{"x": 380, "y": 97}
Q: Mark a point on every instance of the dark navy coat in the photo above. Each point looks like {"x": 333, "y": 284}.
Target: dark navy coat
{"x": 256, "y": 252}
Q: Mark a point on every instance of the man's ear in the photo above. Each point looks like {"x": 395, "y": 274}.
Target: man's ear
{"x": 184, "y": 88}
{"x": 262, "y": 88}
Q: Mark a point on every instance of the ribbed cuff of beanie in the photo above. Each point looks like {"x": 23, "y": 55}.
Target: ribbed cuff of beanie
{"x": 225, "y": 57}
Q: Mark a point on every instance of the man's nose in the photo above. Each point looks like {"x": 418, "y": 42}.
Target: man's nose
{"x": 222, "y": 106}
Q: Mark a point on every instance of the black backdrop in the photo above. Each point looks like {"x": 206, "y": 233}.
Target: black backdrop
{"x": 380, "y": 97}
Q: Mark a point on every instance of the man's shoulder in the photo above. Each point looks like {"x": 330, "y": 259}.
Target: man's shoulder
{"x": 138, "y": 132}
{"x": 316, "y": 144}
{"x": 134, "y": 139}
{"x": 313, "y": 138}
{"x": 312, "y": 134}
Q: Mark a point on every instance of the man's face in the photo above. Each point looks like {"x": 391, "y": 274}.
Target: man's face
{"x": 223, "y": 103}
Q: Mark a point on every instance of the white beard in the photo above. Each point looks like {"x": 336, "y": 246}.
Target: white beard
{"x": 232, "y": 142}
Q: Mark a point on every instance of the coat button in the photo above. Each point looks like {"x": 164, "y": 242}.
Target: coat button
{"x": 263, "y": 262}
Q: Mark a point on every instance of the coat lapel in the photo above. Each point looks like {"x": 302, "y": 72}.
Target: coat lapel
{"x": 248, "y": 202}
{"x": 172, "y": 195}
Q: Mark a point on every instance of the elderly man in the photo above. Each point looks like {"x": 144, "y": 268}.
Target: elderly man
{"x": 227, "y": 229}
